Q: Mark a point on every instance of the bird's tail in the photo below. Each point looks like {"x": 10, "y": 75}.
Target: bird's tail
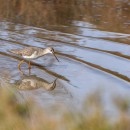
{"x": 14, "y": 51}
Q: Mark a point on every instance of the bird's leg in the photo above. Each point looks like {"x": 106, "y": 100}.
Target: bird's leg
{"x": 29, "y": 65}
{"x": 29, "y": 72}
{"x": 20, "y": 65}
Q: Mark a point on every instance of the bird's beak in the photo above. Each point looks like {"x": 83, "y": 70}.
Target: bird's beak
{"x": 55, "y": 56}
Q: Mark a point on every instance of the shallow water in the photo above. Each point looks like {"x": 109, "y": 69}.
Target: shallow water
{"x": 93, "y": 49}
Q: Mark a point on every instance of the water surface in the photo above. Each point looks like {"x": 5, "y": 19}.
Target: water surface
{"x": 91, "y": 40}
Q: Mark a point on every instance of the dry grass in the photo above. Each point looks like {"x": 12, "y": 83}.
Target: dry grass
{"x": 27, "y": 116}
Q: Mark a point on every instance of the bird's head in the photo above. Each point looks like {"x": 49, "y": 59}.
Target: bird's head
{"x": 51, "y": 50}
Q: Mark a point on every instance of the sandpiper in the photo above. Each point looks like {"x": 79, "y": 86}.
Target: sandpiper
{"x": 31, "y": 53}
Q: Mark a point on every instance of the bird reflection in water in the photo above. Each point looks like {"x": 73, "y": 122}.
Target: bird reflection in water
{"x": 33, "y": 82}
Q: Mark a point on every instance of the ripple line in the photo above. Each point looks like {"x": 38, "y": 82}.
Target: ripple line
{"x": 37, "y": 65}
{"x": 77, "y": 59}
{"x": 96, "y": 66}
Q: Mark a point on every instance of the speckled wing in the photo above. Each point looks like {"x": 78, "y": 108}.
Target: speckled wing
{"x": 31, "y": 50}
{"x": 15, "y": 51}
{"x": 28, "y": 51}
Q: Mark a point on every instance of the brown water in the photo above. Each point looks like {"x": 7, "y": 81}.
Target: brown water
{"x": 91, "y": 39}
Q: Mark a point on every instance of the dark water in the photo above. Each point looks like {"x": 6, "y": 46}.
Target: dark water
{"x": 91, "y": 39}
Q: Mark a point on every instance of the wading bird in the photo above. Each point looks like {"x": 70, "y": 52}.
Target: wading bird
{"x": 30, "y": 53}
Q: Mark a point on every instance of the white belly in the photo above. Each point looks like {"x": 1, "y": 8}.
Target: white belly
{"x": 33, "y": 56}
